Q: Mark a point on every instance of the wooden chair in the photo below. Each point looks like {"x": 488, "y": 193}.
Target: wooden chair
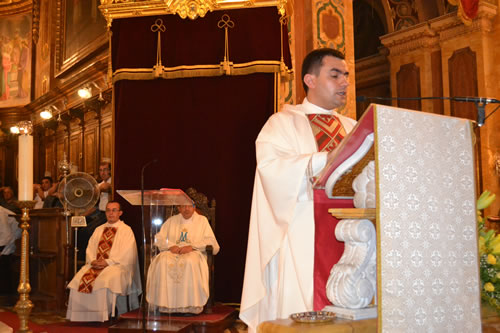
{"x": 203, "y": 208}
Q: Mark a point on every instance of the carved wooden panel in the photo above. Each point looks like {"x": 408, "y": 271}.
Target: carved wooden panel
{"x": 2, "y": 164}
{"x": 437, "y": 81}
{"x": 463, "y": 81}
{"x": 106, "y": 141}
{"x": 75, "y": 151}
{"x": 50, "y": 157}
{"x": 408, "y": 83}
{"x": 90, "y": 152}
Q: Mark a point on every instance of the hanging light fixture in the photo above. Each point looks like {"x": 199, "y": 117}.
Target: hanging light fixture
{"x": 85, "y": 92}
{"x": 46, "y": 114}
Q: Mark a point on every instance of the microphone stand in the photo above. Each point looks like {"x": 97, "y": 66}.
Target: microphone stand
{"x": 143, "y": 280}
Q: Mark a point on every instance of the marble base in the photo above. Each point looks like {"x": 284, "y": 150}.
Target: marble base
{"x": 353, "y": 314}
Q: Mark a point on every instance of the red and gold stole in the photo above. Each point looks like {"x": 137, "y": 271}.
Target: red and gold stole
{"x": 103, "y": 250}
{"x": 327, "y": 129}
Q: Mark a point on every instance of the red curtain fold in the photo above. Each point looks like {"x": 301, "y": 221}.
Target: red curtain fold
{"x": 201, "y": 130}
{"x": 470, "y": 8}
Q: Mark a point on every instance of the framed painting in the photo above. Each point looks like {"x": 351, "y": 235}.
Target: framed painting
{"x": 81, "y": 30}
{"x": 15, "y": 59}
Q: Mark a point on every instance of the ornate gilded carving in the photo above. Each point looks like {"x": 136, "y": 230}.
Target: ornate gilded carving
{"x": 446, "y": 27}
{"x": 14, "y": 7}
{"x": 192, "y": 9}
{"x": 343, "y": 187}
{"x": 35, "y": 25}
{"x": 404, "y": 13}
{"x": 410, "y": 39}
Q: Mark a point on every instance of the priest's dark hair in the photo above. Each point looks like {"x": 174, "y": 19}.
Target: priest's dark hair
{"x": 116, "y": 202}
{"x": 313, "y": 61}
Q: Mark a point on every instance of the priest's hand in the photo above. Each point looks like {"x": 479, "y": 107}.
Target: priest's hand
{"x": 186, "y": 249}
{"x": 99, "y": 264}
{"x": 175, "y": 249}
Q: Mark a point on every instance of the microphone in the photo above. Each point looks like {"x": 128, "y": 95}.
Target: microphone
{"x": 475, "y": 99}
{"x": 481, "y": 116}
{"x": 484, "y": 100}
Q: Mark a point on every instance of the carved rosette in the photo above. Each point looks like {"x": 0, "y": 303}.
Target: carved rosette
{"x": 192, "y": 8}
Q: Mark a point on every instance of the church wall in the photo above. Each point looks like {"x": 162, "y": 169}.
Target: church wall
{"x": 491, "y": 138}
{"x": 459, "y": 46}
{"x": 56, "y": 79}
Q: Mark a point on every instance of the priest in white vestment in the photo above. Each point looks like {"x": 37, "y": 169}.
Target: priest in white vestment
{"x": 111, "y": 272}
{"x": 278, "y": 277}
{"x": 178, "y": 276}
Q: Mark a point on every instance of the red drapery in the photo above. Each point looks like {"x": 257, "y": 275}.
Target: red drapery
{"x": 470, "y": 8}
{"x": 201, "y": 130}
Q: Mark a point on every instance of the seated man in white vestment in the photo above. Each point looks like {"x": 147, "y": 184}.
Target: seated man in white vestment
{"x": 178, "y": 276}
{"x": 110, "y": 274}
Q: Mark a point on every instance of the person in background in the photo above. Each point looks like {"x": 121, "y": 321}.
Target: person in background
{"x": 105, "y": 184}
{"x": 110, "y": 274}
{"x": 42, "y": 191}
{"x": 178, "y": 276}
{"x": 8, "y": 199}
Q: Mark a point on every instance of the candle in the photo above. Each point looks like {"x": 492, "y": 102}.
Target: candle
{"x": 25, "y": 167}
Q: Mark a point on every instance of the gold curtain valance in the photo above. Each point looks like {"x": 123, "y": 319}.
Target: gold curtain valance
{"x": 225, "y": 67}
{"x": 202, "y": 71}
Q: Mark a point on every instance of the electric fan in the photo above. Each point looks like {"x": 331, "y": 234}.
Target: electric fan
{"x": 79, "y": 191}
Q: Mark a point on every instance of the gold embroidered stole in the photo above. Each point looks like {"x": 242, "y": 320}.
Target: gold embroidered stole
{"x": 327, "y": 129}
{"x": 103, "y": 250}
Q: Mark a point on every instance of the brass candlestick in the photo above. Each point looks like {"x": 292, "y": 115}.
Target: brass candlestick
{"x": 24, "y": 305}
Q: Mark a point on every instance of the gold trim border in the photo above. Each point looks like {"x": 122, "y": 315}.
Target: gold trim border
{"x": 377, "y": 220}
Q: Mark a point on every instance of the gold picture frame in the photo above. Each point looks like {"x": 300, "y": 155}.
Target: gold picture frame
{"x": 15, "y": 56}
{"x": 80, "y": 31}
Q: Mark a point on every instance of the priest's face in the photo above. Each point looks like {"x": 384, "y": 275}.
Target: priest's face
{"x": 186, "y": 211}
{"x": 113, "y": 212}
{"x": 328, "y": 87}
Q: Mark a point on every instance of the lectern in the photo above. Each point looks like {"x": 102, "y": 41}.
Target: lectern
{"x": 427, "y": 268}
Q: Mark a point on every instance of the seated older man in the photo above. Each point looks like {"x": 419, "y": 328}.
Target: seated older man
{"x": 178, "y": 276}
{"x": 8, "y": 199}
{"x": 111, "y": 272}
